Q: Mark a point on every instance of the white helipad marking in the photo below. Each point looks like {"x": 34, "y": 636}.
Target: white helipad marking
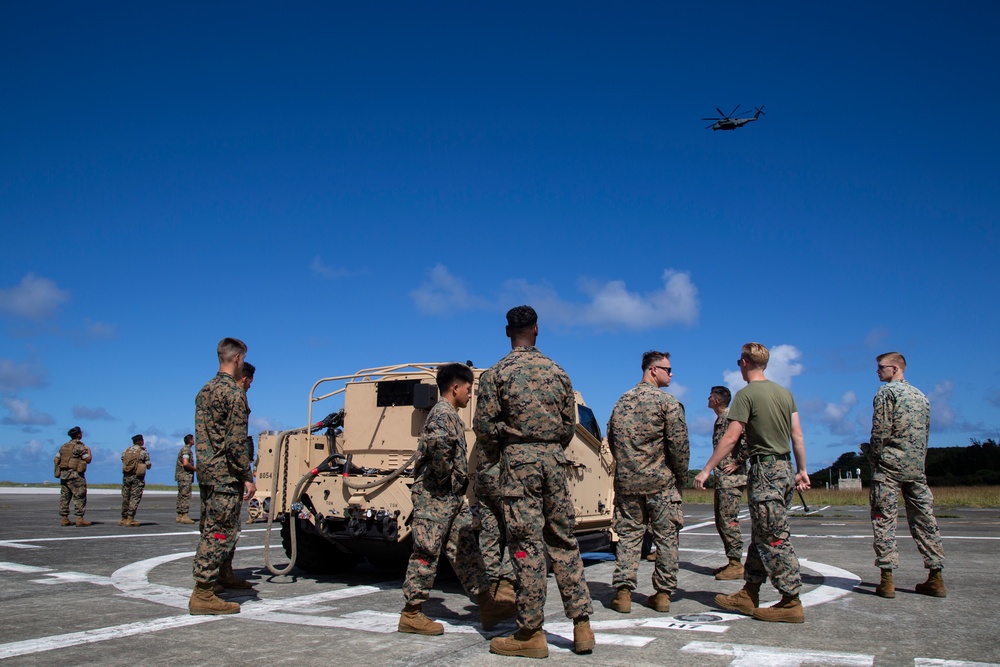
{"x": 73, "y": 577}
{"x": 745, "y": 655}
{"x": 41, "y": 644}
{"x": 17, "y": 567}
{"x": 28, "y": 542}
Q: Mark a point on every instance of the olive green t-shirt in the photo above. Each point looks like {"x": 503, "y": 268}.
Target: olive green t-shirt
{"x": 766, "y": 409}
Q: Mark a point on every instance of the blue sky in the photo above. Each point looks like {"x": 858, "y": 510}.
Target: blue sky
{"x": 346, "y": 185}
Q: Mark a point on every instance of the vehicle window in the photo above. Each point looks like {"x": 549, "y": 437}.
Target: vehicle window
{"x": 588, "y": 420}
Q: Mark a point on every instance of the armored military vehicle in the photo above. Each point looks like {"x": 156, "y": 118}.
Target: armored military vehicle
{"x": 340, "y": 488}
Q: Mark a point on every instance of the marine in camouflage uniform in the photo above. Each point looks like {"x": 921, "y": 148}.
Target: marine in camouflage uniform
{"x": 223, "y": 473}
{"x": 184, "y": 478}
{"x": 526, "y": 413}
{"x": 441, "y": 517}
{"x": 491, "y": 525}
{"x": 730, "y": 484}
{"x": 71, "y": 465}
{"x": 767, "y": 413}
{"x": 133, "y": 482}
{"x": 648, "y": 438}
{"x": 897, "y": 453}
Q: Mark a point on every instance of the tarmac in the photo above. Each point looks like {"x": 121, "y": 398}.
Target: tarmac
{"x": 108, "y": 595}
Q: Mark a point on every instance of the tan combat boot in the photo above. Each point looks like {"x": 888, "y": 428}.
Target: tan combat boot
{"x": 228, "y": 578}
{"x": 786, "y": 610}
{"x": 123, "y": 522}
{"x": 886, "y": 588}
{"x": 64, "y": 521}
{"x": 523, "y": 644}
{"x": 623, "y": 601}
{"x": 413, "y": 621}
{"x": 583, "y": 636}
{"x": 504, "y": 592}
{"x": 934, "y": 586}
{"x": 744, "y": 601}
{"x": 204, "y": 602}
{"x": 660, "y": 601}
{"x": 492, "y": 611}
{"x": 131, "y": 522}
{"x": 732, "y": 571}
{"x": 184, "y": 518}
{"x": 80, "y": 521}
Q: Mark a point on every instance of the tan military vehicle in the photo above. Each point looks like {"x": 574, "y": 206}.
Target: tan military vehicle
{"x": 341, "y": 487}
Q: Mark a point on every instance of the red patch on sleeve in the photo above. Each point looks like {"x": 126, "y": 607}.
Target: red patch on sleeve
{"x": 520, "y": 554}
{"x": 776, "y": 543}
{"x": 424, "y": 561}
{"x": 734, "y": 524}
{"x": 879, "y": 516}
{"x": 219, "y": 536}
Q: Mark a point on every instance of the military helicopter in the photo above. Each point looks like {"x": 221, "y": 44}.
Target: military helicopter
{"x": 728, "y": 122}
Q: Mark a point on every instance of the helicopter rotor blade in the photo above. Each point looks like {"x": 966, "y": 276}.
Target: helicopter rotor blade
{"x": 760, "y": 110}
{"x": 711, "y": 125}
{"x": 720, "y": 113}
{"x": 711, "y": 119}
{"x": 734, "y": 111}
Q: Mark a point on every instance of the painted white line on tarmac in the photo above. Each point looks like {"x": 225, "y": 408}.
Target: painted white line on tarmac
{"x": 17, "y": 545}
{"x": 25, "y": 542}
{"x": 748, "y": 655}
{"x": 27, "y": 569}
{"x": 73, "y": 578}
{"x": 932, "y": 662}
{"x": 31, "y": 646}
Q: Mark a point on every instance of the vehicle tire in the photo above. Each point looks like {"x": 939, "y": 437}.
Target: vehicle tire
{"x": 314, "y": 554}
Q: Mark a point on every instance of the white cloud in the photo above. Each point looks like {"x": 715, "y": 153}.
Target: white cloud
{"x": 35, "y": 298}
{"x": 444, "y": 293}
{"x": 22, "y": 414}
{"x": 609, "y": 305}
{"x": 836, "y": 416}
{"x": 782, "y": 366}
{"x": 677, "y": 390}
{"x": 101, "y": 330}
{"x": 15, "y": 376}
{"x": 322, "y": 270}
{"x": 613, "y": 305}
{"x": 702, "y": 425}
{"x": 942, "y": 415}
{"x": 99, "y": 414}
{"x": 258, "y": 424}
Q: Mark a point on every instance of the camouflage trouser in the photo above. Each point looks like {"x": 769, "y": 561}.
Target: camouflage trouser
{"x": 771, "y": 487}
{"x": 132, "y": 486}
{"x": 184, "y": 495}
{"x": 220, "y": 528}
{"x": 727, "y": 511}
{"x": 498, "y": 565}
{"x": 73, "y": 488}
{"x": 665, "y": 518}
{"x": 442, "y": 523}
{"x": 540, "y": 519}
{"x": 919, "y": 501}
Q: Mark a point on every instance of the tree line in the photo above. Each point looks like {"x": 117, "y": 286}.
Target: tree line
{"x": 975, "y": 465}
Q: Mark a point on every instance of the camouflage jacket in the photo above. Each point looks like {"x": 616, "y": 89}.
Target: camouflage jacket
{"x": 738, "y": 456}
{"x": 220, "y": 432}
{"x": 524, "y": 398}
{"x": 443, "y": 466}
{"x": 77, "y": 459}
{"x": 648, "y": 437}
{"x": 900, "y": 423}
{"x": 181, "y": 474}
{"x": 139, "y": 453}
